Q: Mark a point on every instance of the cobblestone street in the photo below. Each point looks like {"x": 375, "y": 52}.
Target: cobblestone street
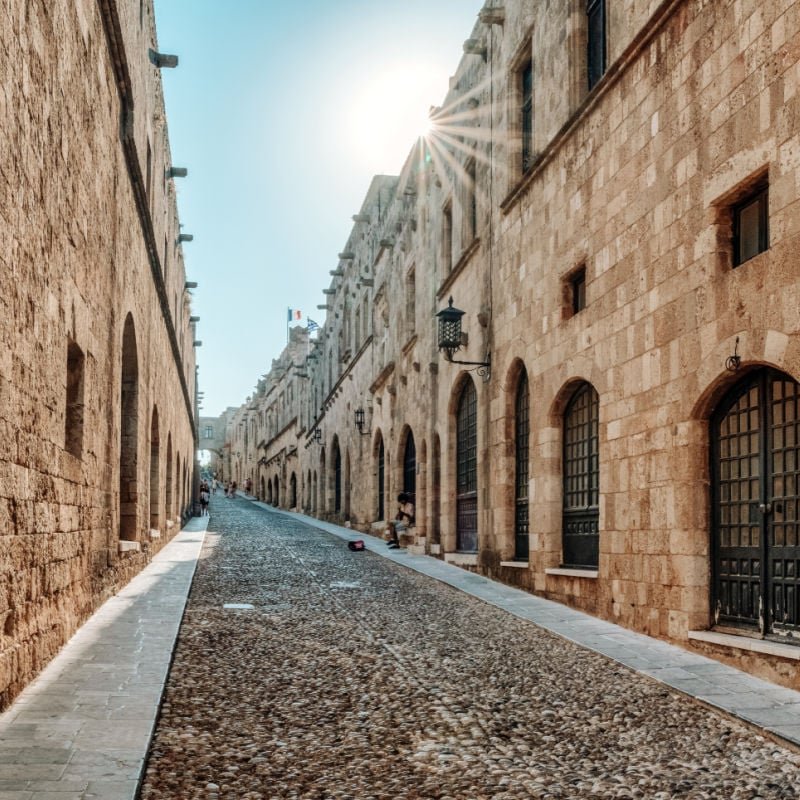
{"x": 353, "y": 677}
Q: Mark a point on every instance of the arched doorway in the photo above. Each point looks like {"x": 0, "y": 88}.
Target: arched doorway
{"x": 467, "y": 470}
{"x": 292, "y": 491}
{"x": 755, "y": 459}
{"x": 129, "y": 435}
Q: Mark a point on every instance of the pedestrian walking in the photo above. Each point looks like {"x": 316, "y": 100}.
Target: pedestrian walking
{"x": 204, "y": 498}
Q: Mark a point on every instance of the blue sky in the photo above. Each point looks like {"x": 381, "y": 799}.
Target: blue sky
{"x": 283, "y": 110}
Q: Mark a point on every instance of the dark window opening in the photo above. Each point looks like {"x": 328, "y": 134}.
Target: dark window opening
{"x": 596, "y": 40}
{"x": 73, "y": 423}
{"x": 526, "y": 76}
{"x": 751, "y": 226}
{"x": 410, "y": 466}
{"x": 578, "y": 290}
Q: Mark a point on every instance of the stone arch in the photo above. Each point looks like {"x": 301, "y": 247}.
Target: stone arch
{"x": 168, "y": 488}
{"x": 129, "y": 435}
{"x": 155, "y": 472}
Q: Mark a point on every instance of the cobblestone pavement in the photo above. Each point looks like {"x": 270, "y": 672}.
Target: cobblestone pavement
{"x": 353, "y": 677}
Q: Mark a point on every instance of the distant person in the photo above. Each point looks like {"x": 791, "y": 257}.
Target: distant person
{"x": 403, "y": 520}
{"x": 204, "y": 498}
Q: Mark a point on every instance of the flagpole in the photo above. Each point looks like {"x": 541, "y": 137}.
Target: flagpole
{"x": 288, "y": 315}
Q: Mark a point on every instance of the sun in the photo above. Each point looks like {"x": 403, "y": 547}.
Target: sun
{"x": 390, "y": 111}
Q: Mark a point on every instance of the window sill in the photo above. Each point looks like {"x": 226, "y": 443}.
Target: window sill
{"x": 462, "y": 559}
{"x": 515, "y": 564}
{"x": 764, "y": 646}
{"x": 591, "y": 574}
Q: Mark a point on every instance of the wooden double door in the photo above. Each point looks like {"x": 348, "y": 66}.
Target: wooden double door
{"x": 755, "y": 444}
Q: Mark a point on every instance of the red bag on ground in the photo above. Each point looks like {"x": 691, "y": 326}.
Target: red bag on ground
{"x": 356, "y": 544}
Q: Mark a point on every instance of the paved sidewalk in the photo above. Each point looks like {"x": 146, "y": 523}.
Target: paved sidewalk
{"x": 82, "y": 728}
{"x": 760, "y": 703}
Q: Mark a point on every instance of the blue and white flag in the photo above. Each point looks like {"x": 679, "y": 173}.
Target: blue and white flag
{"x": 311, "y": 325}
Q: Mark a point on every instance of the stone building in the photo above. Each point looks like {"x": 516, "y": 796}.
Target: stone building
{"x": 97, "y": 372}
{"x": 610, "y": 194}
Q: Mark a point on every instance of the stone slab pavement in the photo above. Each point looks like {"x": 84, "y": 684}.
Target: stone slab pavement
{"x": 82, "y": 728}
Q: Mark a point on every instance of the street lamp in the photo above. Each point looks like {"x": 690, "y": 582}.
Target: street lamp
{"x": 317, "y": 435}
{"x": 450, "y": 339}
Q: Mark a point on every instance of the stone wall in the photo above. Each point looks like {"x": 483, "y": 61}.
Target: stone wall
{"x": 93, "y": 309}
{"x": 635, "y": 185}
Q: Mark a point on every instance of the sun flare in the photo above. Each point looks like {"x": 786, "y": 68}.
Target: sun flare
{"x": 390, "y": 111}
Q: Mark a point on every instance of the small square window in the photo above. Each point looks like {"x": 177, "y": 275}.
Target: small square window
{"x": 751, "y": 226}
{"x": 578, "y": 290}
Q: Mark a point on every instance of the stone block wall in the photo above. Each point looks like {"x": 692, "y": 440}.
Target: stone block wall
{"x": 76, "y": 268}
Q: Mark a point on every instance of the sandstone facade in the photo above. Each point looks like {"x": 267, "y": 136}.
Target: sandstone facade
{"x": 613, "y": 201}
{"x": 97, "y": 372}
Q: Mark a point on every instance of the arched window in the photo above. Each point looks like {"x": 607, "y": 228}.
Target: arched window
{"x": 521, "y": 458}
{"x": 755, "y": 446}
{"x": 581, "y": 479}
{"x": 466, "y": 470}
{"x": 410, "y": 466}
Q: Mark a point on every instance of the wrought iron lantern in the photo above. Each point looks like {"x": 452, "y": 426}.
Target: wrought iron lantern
{"x": 450, "y": 330}
{"x": 360, "y": 421}
{"x": 450, "y": 339}
{"x": 317, "y": 435}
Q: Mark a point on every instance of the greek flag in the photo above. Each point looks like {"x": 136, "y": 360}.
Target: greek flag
{"x": 311, "y": 325}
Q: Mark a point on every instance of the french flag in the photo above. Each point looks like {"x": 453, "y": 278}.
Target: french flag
{"x": 294, "y": 313}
